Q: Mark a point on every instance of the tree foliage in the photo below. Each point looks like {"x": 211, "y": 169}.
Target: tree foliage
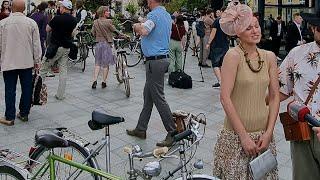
{"x": 175, "y": 5}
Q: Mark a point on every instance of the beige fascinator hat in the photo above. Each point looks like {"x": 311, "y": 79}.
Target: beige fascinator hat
{"x": 236, "y": 19}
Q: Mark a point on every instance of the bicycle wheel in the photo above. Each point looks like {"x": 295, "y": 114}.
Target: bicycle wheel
{"x": 119, "y": 67}
{"x": 126, "y": 77}
{"x": 9, "y": 173}
{"x": 134, "y": 55}
{"x": 85, "y": 55}
{"x": 63, "y": 171}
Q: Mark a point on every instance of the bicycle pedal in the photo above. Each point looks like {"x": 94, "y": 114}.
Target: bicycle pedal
{"x": 131, "y": 77}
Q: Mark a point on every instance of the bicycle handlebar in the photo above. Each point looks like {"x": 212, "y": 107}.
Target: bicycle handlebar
{"x": 182, "y": 135}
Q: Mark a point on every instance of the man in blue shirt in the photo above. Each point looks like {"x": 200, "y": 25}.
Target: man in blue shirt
{"x": 155, "y": 40}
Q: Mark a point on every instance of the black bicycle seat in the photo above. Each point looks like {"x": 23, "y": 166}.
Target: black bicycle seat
{"x": 50, "y": 138}
{"x": 100, "y": 119}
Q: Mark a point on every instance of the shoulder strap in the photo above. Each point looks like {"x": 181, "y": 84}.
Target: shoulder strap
{"x": 313, "y": 89}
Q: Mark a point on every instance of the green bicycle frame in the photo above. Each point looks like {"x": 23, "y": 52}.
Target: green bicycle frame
{"x": 52, "y": 158}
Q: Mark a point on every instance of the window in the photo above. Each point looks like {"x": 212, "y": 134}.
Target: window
{"x": 302, "y": 1}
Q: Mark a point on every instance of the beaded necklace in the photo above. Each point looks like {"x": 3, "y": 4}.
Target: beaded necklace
{"x": 248, "y": 61}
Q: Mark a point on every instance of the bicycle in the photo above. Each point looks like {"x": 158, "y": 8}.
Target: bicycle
{"x": 134, "y": 51}
{"x": 122, "y": 73}
{"x": 83, "y": 50}
{"x": 153, "y": 169}
{"x": 85, "y": 41}
{"x": 51, "y": 141}
{"x": 132, "y": 46}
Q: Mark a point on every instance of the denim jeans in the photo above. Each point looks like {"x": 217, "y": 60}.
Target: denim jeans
{"x": 10, "y": 81}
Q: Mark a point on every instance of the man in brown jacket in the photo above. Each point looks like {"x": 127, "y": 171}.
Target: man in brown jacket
{"x": 20, "y": 51}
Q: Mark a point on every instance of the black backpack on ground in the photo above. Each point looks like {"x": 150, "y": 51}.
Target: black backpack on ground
{"x": 181, "y": 80}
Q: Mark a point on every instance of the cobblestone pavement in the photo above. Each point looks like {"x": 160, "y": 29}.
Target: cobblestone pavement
{"x": 75, "y": 111}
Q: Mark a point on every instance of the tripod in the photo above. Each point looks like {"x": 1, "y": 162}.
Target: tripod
{"x": 186, "y": 50}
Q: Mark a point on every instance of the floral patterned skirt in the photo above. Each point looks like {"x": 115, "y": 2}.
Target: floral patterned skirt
{"x": 231, "y": 162}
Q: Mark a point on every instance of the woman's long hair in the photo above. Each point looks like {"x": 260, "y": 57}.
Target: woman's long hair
{"x": 2, "y": 6}
{"x": 179, "y": 20}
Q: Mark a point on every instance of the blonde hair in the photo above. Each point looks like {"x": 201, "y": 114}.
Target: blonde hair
{"x": 101, "y": 10}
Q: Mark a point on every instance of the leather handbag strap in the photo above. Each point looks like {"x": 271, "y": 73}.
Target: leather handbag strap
{"x": 313, "y": 89}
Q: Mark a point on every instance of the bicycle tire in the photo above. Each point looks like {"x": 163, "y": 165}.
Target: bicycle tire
{"x": 126, "y": 78}
{"x": 119, "y": 67}
{"x": 7, "y": 170}
{"x": 134, "y": 57}
{"x": 85, "y": 56}
{"x": 40, "y": 150}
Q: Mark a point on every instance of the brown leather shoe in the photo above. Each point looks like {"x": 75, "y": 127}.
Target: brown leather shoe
{"x": 6, "y": 122}
{"x": 137, "y": 133}
{"x": 167, "y": 142}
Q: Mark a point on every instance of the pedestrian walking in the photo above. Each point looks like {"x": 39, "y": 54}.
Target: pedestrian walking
{"x": 103, "y": 30}
{"x": 41, "y": 19}
{"x": 175, "y": 50}
{"x": 218, "y": 44}
{"x": 294, "y": 36}
{"x": 247, "y": 74}
{"x": 155, "y": 46}
{"x": 18, "y": 59}
{"x": 61, "y": 28}
{"x": 299, "y": 72}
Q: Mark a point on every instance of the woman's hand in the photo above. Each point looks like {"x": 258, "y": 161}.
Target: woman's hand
{"x": 249, "y": 146}
{"x": 264, "y": 141}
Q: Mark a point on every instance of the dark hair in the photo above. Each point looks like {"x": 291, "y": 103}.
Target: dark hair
{"x": 296, "y": 14}
{"x": 223, "y": 9}
{"x": 42, "y": 6}
{"x": 2, "y": 5}
{"x": 209, "y": 11}
{"x": 179, "y": 20}
{"x": 51, "y": 3}
{"x": 279, "y": 18}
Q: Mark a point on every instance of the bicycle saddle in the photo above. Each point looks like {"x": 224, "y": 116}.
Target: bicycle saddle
{"x": 50, "y": 138}
{"x": 100, "y": 120}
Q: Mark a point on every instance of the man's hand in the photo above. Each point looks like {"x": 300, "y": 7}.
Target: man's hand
{"x": 317, "y": 130}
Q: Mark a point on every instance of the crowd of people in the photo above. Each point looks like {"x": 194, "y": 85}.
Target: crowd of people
{"x": 252, "y": 85}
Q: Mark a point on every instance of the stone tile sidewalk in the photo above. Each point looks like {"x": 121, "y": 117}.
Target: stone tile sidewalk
{"x": 75, "y": 111}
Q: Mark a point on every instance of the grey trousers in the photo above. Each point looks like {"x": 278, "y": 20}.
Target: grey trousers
{"x": 153, "y": 93}
{"x": 305, "y": 157}
{"x": 62, "y": 59}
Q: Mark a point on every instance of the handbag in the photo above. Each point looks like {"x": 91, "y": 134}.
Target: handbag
{"x": 181, "y": 80}
{"x": 295, "y": 130}
{"x": 262, "y": 165}
{"x": 39, "y": 90}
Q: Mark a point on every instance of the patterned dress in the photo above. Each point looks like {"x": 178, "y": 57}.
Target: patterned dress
{"x": 248, "y": 97}
{"x": 298, "y": 73}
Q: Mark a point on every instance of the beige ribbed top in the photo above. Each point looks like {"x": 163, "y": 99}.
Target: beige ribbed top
{"x": 248, "y": 95}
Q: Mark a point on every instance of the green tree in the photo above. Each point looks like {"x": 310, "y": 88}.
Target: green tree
{"x": 132, "y": 8}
